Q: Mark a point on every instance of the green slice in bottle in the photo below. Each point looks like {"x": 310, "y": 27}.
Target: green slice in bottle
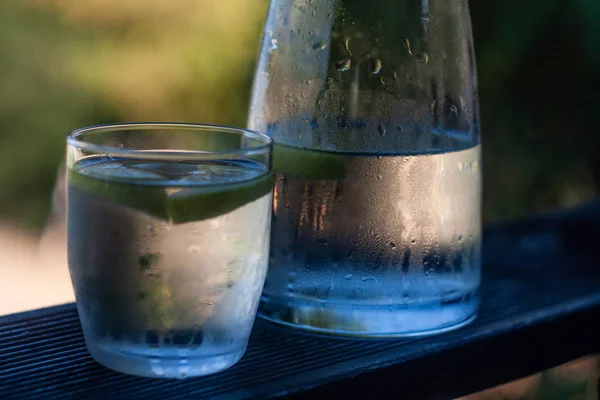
{"x": 146, "y": 191}
{"x": 308, "y": 164}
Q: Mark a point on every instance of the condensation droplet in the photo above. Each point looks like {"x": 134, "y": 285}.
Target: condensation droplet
{"x": 320, "y": 46}
{"x": 347, "y": 47}
{"x": 349, "y": 276}
{"x": 375, "y": 66}
{"x": 274, "y": 44}
{"x": 400, "y": 128}
{"x": 453, "y": 109}
{"x": 392, "y": 245}
{"x": 407, "y": 45}
{"x": 381, "y": 129}
{"x": 423, "y": 58}
{"x": 344, "y": 64}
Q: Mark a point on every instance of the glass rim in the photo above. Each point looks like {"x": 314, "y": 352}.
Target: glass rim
{"x": 76, "y": 139}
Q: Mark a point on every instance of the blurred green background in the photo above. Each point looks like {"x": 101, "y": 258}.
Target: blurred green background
{"x": 70, "y": 63}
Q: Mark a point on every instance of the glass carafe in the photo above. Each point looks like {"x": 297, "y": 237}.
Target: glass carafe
{"x": 377, "y": 212}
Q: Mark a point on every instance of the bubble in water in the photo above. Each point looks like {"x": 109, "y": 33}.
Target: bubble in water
{"x": 375, "y": 66}
{"x": 407, "y": 45}
{"x": 381, "y": 129}
{"x": 274, "y": 44}
{"x": 344, "y": 64}
{"x": 423, "y": 58}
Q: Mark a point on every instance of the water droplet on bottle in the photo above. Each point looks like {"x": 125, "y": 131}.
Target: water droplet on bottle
{"x": 413, "y": 241}
{"x": 422, "y": 58}
{"x": 392, "y": 245}
{"x": 400, "y": 128}
{"x": 407, "y": 45}
{"x": 379, "y": 177}
{"x": 375, "y": 66}
{"x": 344, "y": 64}
{"x": 320, "y": 46}
{"x": 381, "y": 129}
{"x": 347, "y": 47}
{"x": 453, "y": 109}
{"x": 349, "y": 276}
{"x": 274, "y": 44}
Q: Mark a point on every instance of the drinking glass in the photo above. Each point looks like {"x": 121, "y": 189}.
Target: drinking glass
{"x": 377, "y": 212}
{"x": 168, "y": 240}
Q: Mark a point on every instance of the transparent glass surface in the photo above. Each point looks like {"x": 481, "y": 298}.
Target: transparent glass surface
{"x": 168, "y": 241}
{"x": 377, "y": 204}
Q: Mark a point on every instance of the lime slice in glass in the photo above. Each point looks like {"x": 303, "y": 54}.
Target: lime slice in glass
{"x": 308, "y": 164}
{"x": 191, "y": 198}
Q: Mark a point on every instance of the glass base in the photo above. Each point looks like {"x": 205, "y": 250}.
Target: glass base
{"x": 140, "y": 361}
{"x": 370, "y": 321}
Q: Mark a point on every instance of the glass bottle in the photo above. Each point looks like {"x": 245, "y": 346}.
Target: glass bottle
{"x": 377, "y": 211}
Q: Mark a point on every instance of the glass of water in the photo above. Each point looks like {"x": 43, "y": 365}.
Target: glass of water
{"x": 168, "y": 242}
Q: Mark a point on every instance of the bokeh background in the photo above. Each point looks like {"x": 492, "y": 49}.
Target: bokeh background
{"x": 71, "y": 63}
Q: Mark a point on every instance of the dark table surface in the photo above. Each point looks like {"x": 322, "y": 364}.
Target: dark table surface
{"x": 541, "y": 308}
